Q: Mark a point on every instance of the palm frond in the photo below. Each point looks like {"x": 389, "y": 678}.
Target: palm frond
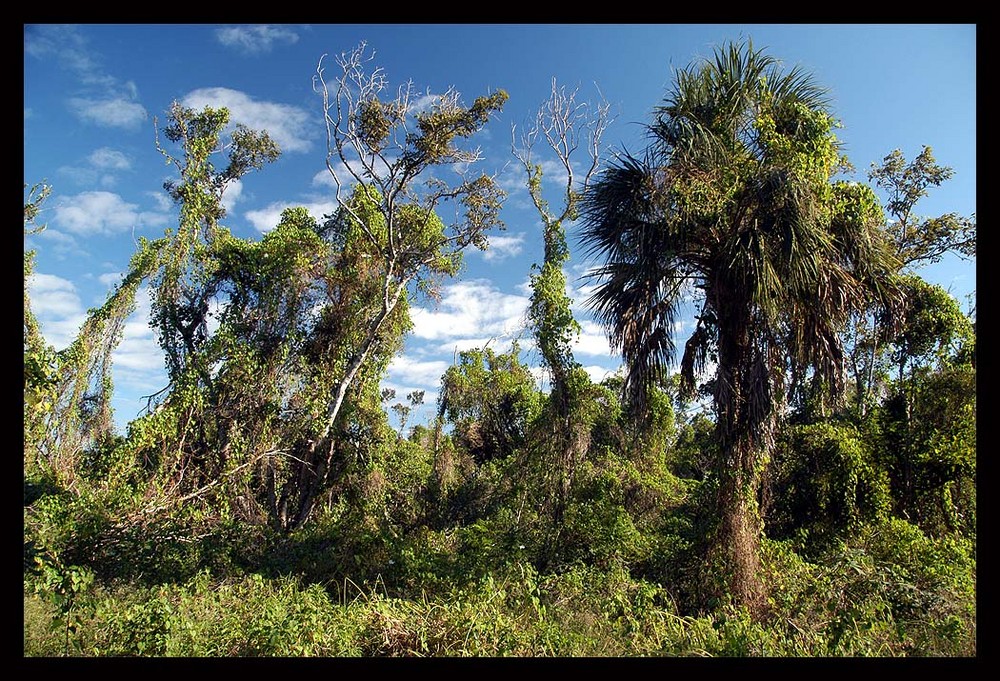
{"x": 696, "y": 351}
{"x": 618, "y": 209}
{"x": 638, "y": 304}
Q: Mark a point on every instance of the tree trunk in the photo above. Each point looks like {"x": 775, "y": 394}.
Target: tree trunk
{"x": 311, "y": 482}
{"x": 737, "y": 541}
{"x": 744, "y": 429}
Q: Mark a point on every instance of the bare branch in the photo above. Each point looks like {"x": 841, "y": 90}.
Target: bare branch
{"x": 564, "y": 123}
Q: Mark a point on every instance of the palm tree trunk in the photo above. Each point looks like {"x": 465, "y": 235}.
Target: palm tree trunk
{"x": 742, "y": 429}
{"x": 737, "y": 541}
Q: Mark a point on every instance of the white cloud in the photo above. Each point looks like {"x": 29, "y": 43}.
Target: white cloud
{"x": 104, "y": 101}
{"x": 554, "y": 172}
{"x": 232, "y": 194}
{"x": 598, "y": 373}
{"x": 504, "y": 247}
{"x": 163, "y": 201}
{"x": 323, "y": 179}
{"x": 592, "y": 341}
{"x": 255, "y": 39}
{"x": 109, "y": 279}
{"x": 61, "y": 242}
{"x": 131, "y": 89}
{"x": 580, "y": 289}
{"x": 66, "y": 44}
{"x": 424, "y": 411}
{"x": 109, "y": 158}
{"x": 499, "y": 345}
{"x": 101, "y": 212}
{"x": 683, "y": 326}
{"x": 267, "y": 218}
{"x": 57, "y": 306}
{"x": 103, "y": 159}
{"x": 410, "y": 372}
{"x": 138, "y": 366}
{"x": 423, "y": 104}
{"x": 525, "y": 287}
{"x": 61, "y": 332}
{"x": 512, "y": 179}
{"x": 287, "y": 125}
{"x": 541, "y": 376}
{"x": 139, "y": 353}
{"x": 514, "y": 176}
{"x": 88, "y": 176}
{"x": 471, "y": 309}
{"x": 60, "y": 313}
{"x": 519, "y": 202}
{"x": 77, "y": 175}
{"x": 52, "y": 295}
{"x": 115, "y": 112}
{"x": 138, "y": 362}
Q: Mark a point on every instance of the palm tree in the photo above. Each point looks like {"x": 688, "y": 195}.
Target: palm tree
{"x": 734, "y": 201}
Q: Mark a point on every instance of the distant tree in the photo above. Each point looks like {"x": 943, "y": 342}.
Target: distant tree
{"x": 735, "y": 197}
{"x": 414, "y": 399}
{"x": 490, "y": 400}
{"x": 927, "y": 422}
{"x": 921, "y": 241}
{"x": 917, "y": 241}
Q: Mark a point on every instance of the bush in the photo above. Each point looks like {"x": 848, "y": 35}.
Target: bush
{"x": 829, "y": 484}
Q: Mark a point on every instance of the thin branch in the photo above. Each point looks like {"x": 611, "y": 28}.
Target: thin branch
{"x": 209, "y": 486}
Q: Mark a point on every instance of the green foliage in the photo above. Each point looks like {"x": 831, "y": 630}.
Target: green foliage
{"x": 928, "y": 446}
{"x": 928, "y": 320}
{"x": 649, "y": 435}
{"x": 933, "y": 328}
{"x": 549, "y": 311}
{"x": 65, "y": 588}
{"x": 926, "y": 426}
{"x": 921, "y": 242}
{"x": 249, "y": 617}
{"x": 489, "y": 399}
{"x": 617, "y": 511}
{"x": 888, "y": 590}
{"x": 264, "y": 506}
{"x": 695, "y": 448}
{"x": 824, "y": 482}
{"x": 442, "y": 124}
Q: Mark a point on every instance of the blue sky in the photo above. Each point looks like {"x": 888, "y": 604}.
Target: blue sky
{"x": 91, "y": 92}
